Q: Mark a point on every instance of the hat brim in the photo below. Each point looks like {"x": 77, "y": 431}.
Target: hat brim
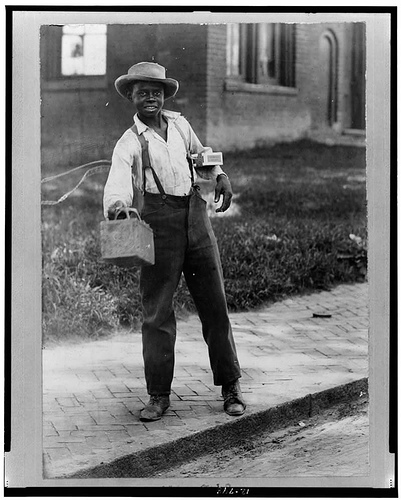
{"x": 124, "y": 83}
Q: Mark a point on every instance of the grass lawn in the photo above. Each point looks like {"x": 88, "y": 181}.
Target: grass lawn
{"x": 297, "y": 204}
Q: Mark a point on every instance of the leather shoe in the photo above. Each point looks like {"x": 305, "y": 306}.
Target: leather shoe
{"x": 155, "y": 408}
{"x": 234, "y": 404}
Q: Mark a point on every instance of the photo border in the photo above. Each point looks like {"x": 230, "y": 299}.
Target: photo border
{"x": 24, "y": 461}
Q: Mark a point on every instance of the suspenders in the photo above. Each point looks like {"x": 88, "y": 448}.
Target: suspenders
{"x": 146, "y": 162}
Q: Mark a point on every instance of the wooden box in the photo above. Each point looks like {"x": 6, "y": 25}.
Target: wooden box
{"x": 127, "y": 242}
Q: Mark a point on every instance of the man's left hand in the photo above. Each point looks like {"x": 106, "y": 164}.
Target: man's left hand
{"x": 223, "y": 187}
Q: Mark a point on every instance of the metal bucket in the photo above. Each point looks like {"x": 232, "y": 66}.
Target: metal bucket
{"x": 127, "y": 242}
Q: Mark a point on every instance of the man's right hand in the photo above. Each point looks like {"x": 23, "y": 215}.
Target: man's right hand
{"x": 114, "y": 208}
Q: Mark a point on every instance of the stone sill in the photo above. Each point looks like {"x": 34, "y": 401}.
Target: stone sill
{"x": 76, "y": 83}
{"x": 256, "y": 88}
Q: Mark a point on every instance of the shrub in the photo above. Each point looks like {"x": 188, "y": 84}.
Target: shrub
{"x": 355, "y": 253}
{"x": 263, "y": 262}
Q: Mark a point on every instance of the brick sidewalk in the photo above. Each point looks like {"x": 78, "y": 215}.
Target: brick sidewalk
{"x": 93, "y": 392}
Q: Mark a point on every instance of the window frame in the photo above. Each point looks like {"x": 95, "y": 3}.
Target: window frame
{"x": 85, "y": 35}
{"x": 247, "y": 77}
{"x": 50, "y": 57}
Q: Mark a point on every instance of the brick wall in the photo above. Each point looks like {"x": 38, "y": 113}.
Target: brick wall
{"x": 182, "y": 50}
{"x": 83, "y": 124}
{"x": 80, "y": 125}
{"x": 244, "y": 119}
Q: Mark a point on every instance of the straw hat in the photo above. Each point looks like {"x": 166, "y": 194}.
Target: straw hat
{"x": 146, "y": 72}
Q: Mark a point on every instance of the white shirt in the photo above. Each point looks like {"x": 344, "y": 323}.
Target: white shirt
{"x": 168, "y": 158}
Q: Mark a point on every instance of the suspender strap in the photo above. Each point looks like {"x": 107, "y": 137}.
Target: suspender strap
{"x": 191, "y": 168}
{"x": 158, "y": 183}
{"x": 145, "y": 155}
{"x": 146, "y": 159}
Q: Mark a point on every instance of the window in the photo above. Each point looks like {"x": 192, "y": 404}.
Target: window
{"x": 73, "y": 56}
{"x": 83, "y": 49}
{"x": 262, "y": 53}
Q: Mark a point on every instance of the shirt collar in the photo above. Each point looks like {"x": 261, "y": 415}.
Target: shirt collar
{"x": 170, "y": 115}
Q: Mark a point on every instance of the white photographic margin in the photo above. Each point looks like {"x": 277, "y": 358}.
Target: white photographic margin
{"x": 24, "y": 462}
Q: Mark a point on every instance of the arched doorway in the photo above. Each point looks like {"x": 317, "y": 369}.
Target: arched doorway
{"x": 329, "y": 68}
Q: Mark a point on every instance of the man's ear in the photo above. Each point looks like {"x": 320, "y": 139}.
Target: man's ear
{"x": 130, "y": 91}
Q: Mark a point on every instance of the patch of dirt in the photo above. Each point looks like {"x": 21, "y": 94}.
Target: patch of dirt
{"x": 334, "y": 443}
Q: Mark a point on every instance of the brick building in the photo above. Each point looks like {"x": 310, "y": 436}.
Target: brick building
{"x": 241, "y": 85}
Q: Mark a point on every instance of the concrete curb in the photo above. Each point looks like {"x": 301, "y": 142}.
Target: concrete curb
{"x": 155, "y": 459}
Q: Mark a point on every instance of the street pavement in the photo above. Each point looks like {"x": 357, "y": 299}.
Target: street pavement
{"x": 93, "y": 391}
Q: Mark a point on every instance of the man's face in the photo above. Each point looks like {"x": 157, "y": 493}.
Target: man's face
{"x": 148, "y": 98}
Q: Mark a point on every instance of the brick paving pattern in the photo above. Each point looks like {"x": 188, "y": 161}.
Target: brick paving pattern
{"x": 93, "y": 392}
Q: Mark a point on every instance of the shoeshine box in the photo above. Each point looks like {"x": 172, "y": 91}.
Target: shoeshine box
{"x": 127, "y": 242}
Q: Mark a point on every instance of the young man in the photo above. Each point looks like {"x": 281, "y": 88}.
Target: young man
{"x": 153, "y": 155}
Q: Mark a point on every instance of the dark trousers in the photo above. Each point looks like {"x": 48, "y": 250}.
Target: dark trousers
{"x": 184, "y": 243}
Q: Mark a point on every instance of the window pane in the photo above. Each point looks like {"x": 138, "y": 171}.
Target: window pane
{"x": 95, "y": 55}
{"x": 74, "y": 29}
{"x": 286, "y": 68}
{"x": 72, "y": 55}
{"x": 263, "y": 51}
{"x": 269, "y": 54}
{"x": 271, "y": 44}
{"x": 83, "y": 49}
{"x": 251, "y": 56}
{"x": 95, "y": 28}
{"x": 233, "y": 49}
